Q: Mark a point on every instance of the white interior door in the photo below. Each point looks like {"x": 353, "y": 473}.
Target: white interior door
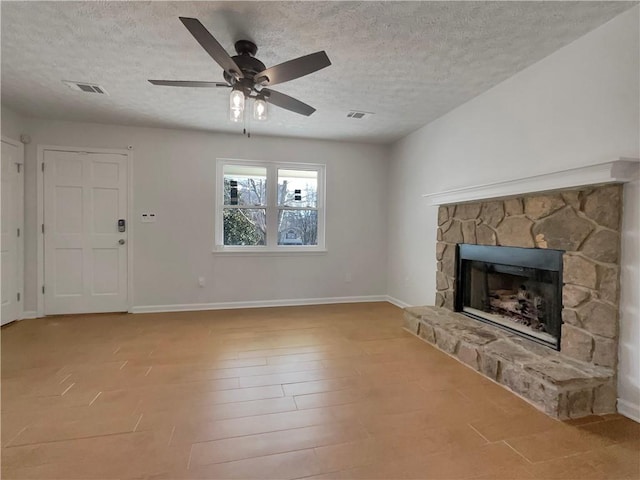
{"x": 85, "y": 254}
{"x": 11, "y": 231}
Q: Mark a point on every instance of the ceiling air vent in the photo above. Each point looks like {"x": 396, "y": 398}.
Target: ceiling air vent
{"x": 86, "y": 87}
{"x": 358, "y": 115}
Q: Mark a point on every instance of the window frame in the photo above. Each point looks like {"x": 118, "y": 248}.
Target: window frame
{"x": 272, "y": 208}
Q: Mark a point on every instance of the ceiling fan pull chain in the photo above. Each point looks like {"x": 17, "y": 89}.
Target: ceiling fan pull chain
{"x": 247, "y": 120}
{"x": 244, "y": 118}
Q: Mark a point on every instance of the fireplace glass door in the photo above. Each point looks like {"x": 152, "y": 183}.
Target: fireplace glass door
{"x": 518, "y": 296}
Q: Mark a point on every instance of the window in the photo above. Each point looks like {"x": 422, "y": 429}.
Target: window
{"x": 263, "y": 207}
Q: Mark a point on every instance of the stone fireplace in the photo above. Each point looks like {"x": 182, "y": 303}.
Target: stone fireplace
{"x": 582, "y": 223}
{"x": 527, "y": 294}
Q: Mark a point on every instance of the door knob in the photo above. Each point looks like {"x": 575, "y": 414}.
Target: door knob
{"x": 121, "y": 241}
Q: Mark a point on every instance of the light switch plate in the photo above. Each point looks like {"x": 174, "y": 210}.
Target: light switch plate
{"x": 148, "y": 217}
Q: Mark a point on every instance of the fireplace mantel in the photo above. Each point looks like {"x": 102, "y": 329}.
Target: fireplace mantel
{"x": 617, "y": 171}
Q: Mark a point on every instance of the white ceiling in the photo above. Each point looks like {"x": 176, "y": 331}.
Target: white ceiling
{"x": 408, "y": 62}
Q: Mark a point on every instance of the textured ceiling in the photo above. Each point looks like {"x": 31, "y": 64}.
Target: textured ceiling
{"x": 408, "y": 62}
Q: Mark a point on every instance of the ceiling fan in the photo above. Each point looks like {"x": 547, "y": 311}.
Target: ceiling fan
{"x": 248, "y": 77}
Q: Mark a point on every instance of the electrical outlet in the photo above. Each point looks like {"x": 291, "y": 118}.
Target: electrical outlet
{"x": 201, "y": 282}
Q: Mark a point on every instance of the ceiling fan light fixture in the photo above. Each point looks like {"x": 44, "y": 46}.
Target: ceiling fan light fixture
{"x": 260, "y": 108}
{"x": 236, "y": 116}
{"x": 236, "y": 104}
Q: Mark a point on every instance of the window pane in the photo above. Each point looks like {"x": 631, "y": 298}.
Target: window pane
{"x": 245, "y": 185}
{"x": 298, "y": 227}
{"x": 297, "y": 188}
{"x": 244, "y": 226}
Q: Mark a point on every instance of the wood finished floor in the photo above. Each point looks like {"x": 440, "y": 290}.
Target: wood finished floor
{"x": 334, "y": 391}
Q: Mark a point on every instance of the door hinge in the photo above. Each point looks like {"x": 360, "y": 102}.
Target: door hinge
{"x": 42, "y": 288}
{"x": 18, "y": 232}
{"x": 18, "y": 165}
{"x": 42, "y": 228}
{"x": 43, "y": 166}
{"x": 18, "y": 296}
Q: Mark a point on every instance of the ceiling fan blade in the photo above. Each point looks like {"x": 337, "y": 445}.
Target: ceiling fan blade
{"x": 212, "y": 46}
{"x": 296, "y": 68}
{"x": 288, "y": 103}
{"x": 188, "y": 83}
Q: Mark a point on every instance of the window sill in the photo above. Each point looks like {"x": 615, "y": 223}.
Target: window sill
{"x": 280, "y": 252}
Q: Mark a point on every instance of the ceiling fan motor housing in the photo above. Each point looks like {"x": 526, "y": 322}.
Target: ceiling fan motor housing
{"x": 248, "y": 64}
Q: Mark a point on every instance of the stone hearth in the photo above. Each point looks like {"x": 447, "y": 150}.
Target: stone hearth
{"x": 560, "y": 386}
{"x": 585, "y": 224}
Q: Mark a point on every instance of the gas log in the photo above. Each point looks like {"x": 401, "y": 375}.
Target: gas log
{"x": 521, "y": 306}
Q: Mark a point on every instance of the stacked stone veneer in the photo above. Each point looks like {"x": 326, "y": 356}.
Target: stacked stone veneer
{"x": 585, "y": 223}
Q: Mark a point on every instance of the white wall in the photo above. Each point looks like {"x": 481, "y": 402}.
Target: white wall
{"x": 579, "y": 106}
{"x": 174, "y": 176}
{"x": 11, "y": 123}
{"x": 629, "y": 346}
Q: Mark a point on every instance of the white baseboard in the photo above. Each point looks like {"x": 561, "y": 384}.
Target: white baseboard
{"x": 24, "y": 316}
{"x": 396, "y": 302}
{"x": 190, "y": 307}
{"x": 629, "y": 409}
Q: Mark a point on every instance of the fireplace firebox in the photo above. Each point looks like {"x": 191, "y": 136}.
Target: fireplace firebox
{"x": 517, "y": 289}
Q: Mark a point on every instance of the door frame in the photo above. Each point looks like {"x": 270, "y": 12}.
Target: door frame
{"x": 40, "y": 201}
{"x": 20, "y": 216}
